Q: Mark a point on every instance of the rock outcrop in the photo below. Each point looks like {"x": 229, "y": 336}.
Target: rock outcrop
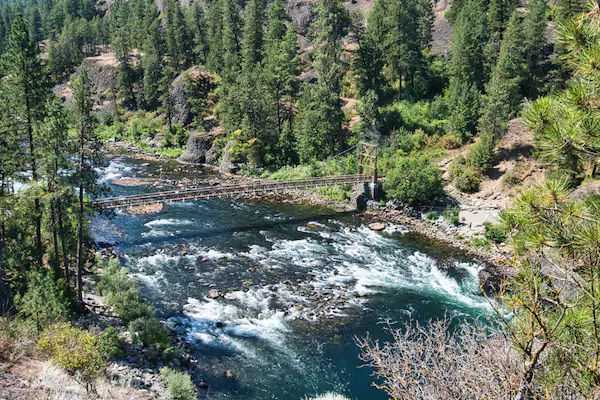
{"x": 194, "y": 82}
{"x": 196, "y": 149}
{"x": 226, "y": 164}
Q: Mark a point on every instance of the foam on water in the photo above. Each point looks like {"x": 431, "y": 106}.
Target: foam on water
{"x": 168, "y": 222}
{"x": 244, "y": 314}
{"x": 113, "y": 171}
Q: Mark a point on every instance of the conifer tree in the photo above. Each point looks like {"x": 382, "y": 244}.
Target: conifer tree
{"x": 282, "y": 64}
{"x": 196, "y": 21}
{"x": 503, "y": 97}
{"x": 215, "y": 36}
{"x": 55, "y": 133}
{"x": 319, "y": 127}
{"x": 402, "y": 29}
{"x": 534, "y": 32}
{"x": 89, "y": 157}
{"x": 231, "y": 34}
{"x": 152, "y": 66}
{"x": 466, "y": 69}
{"x": 253, "y": 32}
{"x": 125, "y": 72}
{"x": 177, "y": 37}
{"x": 25, "y": 85}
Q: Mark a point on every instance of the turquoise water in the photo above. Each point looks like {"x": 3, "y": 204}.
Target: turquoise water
{"x": 299, "y": 284}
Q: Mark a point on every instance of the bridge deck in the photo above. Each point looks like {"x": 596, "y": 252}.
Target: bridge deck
{"x": 194, "y": 193}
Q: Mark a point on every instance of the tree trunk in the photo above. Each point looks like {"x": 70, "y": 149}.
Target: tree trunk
{"x": 80, "y": 226}
{"x": 34, "y": 175}
{"x": 61, "y": 232}
{"x": 6, "y": 300}
{"x": 54, "y": 231}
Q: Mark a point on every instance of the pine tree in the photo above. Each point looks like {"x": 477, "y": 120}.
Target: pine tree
{"x": 321, "y": 102}
{"x": 89, "y": 157}
{"x": 402, "y": 30}
{"x": 253, "y": 32}
{"x": 215, "y": 36}
{"x": 152, "y": 66}
{"x": 196, "y": 21}
{"x": 125, "y": 72}
{"x": 231, "y": 34}
{"x": 179, "y": 42}
{"x": 466, "y": 69}
{"x": 282, "y": 65}
{"x": 25, "y": 85}
{"x": 503, "y": 97}
{"x": 368, "y": 63}
{"x": 534, "y": 32}
{"x": 55, "y": 133}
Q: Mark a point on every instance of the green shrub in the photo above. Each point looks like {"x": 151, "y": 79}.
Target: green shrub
{"x": 481, "y": 243}
{"x": 482, "y": 154}
{"x": 75, "y": 350}
{"x": 121, "y": 292}
{"x": 335, "y": 193}
{"x": 494, "y": 233}
{"x": 468, "y": 180}
{"x": 414, "y": 180}
{"x": 511, "y": 179}
{"x": 431, "y": 215}
{"x": 149, "y": 331}
{"x": 458, "y": 166}
{"x": 450, "y": 141}
{"x": 115, "y": 131}
{"x": 45, "y": 301}
{"x": 110, "y": 343}
{"x": 452, "y": 215}
{"x": 179, "y": 385}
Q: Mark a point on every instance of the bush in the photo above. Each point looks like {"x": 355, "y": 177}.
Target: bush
{"x": 179, "y": 385}
{"x": 468, "y": 180}
{"x": 431, "y": 215}
{"x": 482, "y": 154}
{"x": 335, "y": 193}
{"x": 481, "y": 243}
{"x": 494, "y": 233}
{"x": 149, "y": 331}
{"x": 414, "y": 180}
{"x": 110, "y": 343}
{"x": 511, "y": 179}
{"x": 452, "y": 215}
{"x": 75, "y": 350}
{"x": 121, "y": 292}
{"x": 458, "y": 166}
{"x": 45, "y": 301}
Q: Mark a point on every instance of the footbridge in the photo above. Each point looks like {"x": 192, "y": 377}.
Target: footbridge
{"x": 367, "y": 159}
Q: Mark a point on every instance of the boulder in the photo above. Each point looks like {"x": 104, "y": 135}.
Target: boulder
{"x": 211, "y": 156}
{"x": 376, "y": 226}
{"x": 214, "y": 294}
{"x": 197, "y": 147}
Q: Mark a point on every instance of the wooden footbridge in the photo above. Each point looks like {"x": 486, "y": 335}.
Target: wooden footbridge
{"x": 367, "y": 159}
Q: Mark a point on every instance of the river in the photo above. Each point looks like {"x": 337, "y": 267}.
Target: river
{"x": 299, "y": 284}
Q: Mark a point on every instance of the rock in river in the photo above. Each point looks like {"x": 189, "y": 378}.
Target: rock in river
{"x": 376, "y": 226}
{"x": 214, "y": 294}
